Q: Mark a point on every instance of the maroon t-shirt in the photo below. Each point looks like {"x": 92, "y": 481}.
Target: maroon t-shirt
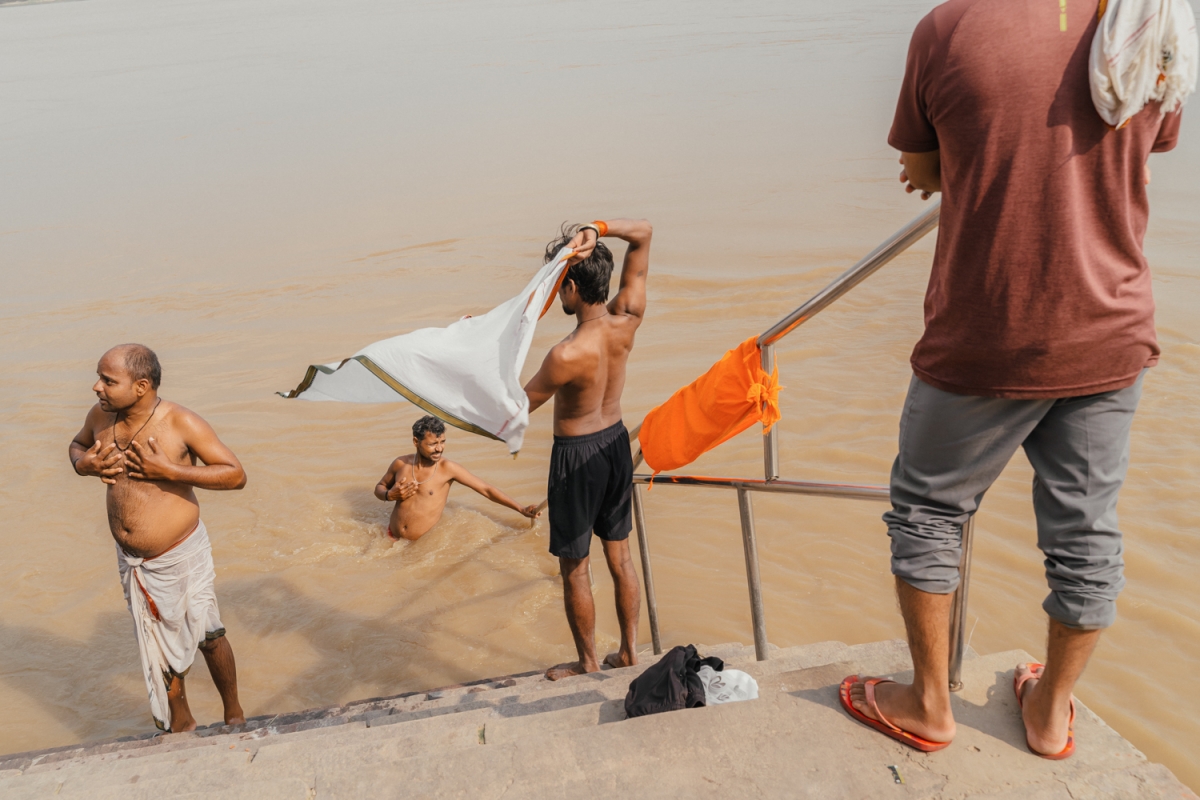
{"x": 1039, "y": 286}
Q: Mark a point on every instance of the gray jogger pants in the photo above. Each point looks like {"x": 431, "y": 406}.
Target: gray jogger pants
{"x": 953, "y": 447}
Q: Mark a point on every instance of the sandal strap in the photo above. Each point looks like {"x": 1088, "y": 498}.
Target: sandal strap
{"x": 870, "y": 691}
{"x": 1031, "y": 675}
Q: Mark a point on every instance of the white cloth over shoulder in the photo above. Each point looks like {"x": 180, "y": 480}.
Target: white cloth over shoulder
{"x": 727, "y": 686}
{"x": 468, "y": 373}
{"x": 174, "y": 609}
{"x": 1143, "y": 50}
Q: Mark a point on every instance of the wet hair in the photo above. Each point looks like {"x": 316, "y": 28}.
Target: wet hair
{"x": 592, "y": 275}
{"x": 428, "y": 424}
{"x": 142, "y": 363}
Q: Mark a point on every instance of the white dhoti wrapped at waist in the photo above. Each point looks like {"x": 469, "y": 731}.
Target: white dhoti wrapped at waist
{"x": 174, "y": 610}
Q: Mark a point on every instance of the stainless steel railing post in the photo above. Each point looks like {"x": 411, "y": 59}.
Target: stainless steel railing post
{"x": 770, "y": 440}
{"x": 753, "y": 579}
{"x": 958, "y": 611}
{"x": 639, "y": 520}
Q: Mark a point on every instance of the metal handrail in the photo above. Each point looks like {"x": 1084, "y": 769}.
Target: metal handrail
{"x": 743, "y": 486}
{"x": 892, "y": 247}
{"x": 900, "y": 241}
{"x": 896, "y": 244}
{"x": 853, "y": 491}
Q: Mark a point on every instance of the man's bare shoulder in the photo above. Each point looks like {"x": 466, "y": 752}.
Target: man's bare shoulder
{"x": 574, "y": 354}
{"x": 180, "y": 417}
{"x": 97, "y": 416}
{"x": 454, "y": 469}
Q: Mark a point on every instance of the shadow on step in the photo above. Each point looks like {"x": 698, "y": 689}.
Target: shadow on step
{"x": 358, "y": 655}
{"x": 91, "y": 687}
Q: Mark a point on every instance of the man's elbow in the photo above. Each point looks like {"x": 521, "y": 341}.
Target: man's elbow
{"x": 643, "y": 230}
{"x": 238, "y": 480}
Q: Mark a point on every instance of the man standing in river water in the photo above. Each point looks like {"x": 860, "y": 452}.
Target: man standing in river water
{"x": 145, "y": 449}
{"x": 591, "y": 471}
{"x": 1039, "y": 327}
{"x": 420, "y": 489}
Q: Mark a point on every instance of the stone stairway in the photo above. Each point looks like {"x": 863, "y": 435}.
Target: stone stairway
{"x": 524, "y": 736}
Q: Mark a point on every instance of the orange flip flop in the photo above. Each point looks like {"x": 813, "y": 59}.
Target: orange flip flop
{"x": 1018, "y": 682}
{"x": 882, "y": 724}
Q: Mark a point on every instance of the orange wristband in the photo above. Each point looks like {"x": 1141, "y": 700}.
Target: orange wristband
{"x": 602, "y": 225}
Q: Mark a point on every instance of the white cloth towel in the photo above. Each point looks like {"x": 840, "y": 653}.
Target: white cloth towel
{"x": 468, "y": 373}
{"x": 727, "y": 686}
{"x": 1143, "y": 50}
{"x": 184, "y": 612}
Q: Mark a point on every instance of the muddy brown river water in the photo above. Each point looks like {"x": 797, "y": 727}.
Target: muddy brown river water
{"x": 249, "y": 187}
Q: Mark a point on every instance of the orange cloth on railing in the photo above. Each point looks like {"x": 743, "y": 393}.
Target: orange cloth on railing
{"x": 720, "y": 404}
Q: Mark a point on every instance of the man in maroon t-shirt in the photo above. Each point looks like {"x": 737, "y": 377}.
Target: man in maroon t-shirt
{"x": 1039, "y": 325}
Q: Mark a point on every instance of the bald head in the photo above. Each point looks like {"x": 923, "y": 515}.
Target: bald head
{"x": 139, "y": 361}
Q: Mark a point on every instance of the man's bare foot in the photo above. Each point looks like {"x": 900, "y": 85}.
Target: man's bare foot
{"x": 567, "y": 670}
{"x": 183, "y": 725}
{"x": 930, "y": 719}
{"x": 620, "y": 659}
{"x": 1047, "y": 722}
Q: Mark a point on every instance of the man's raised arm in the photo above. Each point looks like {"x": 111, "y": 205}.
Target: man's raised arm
{"x": 631, "y": 296}
{"x": 221, "y": 468}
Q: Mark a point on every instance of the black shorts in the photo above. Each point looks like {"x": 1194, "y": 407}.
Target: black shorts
{"x": 590, "y": 491}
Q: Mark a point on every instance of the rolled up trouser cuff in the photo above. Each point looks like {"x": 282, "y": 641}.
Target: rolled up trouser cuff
{"x": 928, "y": 586}
{"x": 924, "y": 559}
{"x": 1087, "y": 612}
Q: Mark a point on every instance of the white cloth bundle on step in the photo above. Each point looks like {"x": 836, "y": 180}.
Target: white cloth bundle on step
{"x": 727, "y": 686}
{"x": 468, "y": 373}
{"x": 1143, "y": 50}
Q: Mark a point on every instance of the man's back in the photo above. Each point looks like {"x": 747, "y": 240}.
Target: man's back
{"x": 596, "y": 355}
{"x": 1039, "y": 286}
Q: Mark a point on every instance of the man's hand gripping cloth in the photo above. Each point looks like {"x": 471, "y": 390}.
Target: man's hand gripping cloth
{"x": 468, "y": 373}
{"x": 720, "y": 404}
{"x": 1143, "y": 51}
{"x": 174, "y": 609}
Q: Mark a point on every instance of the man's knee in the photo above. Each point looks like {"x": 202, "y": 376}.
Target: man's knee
{"x": 573, "y": 567}
{"x": 617, "y": 553}
{"x": 212, "y": 639}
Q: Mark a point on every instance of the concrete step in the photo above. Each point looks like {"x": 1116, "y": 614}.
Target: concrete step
{"x": 496, "y": 709}
{"x": 534, "y": 738}
{"x": 373, "y": 712}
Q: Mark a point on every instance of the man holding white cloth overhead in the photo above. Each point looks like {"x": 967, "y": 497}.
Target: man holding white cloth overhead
{"x": 145, "y": 449}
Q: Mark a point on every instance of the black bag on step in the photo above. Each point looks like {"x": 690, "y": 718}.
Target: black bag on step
{"x": 671, "y": 684}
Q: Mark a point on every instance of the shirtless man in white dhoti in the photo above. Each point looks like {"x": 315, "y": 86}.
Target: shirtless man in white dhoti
{"x": 146, "y": 450}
